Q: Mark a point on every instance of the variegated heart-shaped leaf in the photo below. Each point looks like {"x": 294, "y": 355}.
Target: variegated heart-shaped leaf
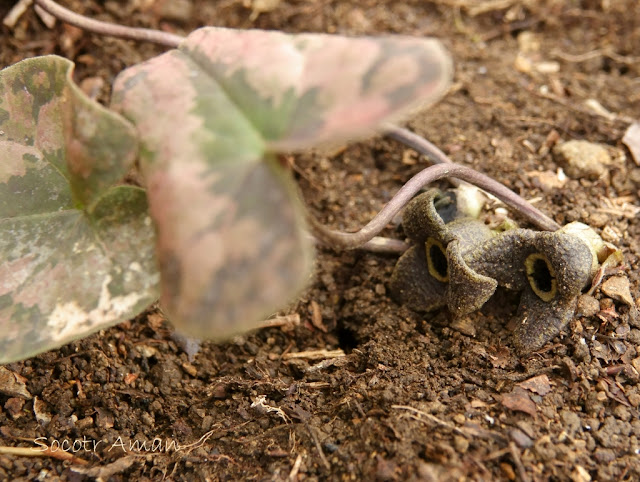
{"x": 212, "y": 115}
{"x": 76, "y": 251}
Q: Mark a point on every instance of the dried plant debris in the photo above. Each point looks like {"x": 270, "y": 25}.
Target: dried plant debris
{"x": 458, "y": 262}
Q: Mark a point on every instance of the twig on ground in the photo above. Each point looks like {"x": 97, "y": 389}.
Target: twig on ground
{"x": 286, "y": 321}
{"x": 620, "y": 119}
{"x": 475, "y": 8}
{"x": 314, "y": 436}
{"x": 329, "y": 362}
{"x": 433, "y": 419}
{"x": 496, "y": 454}
{"x": 315, "y": 385}
{"x": 379, "y": 244}
{"x": 293, "y": 475}
{"x": 515, "y": 455}
{"x": 594, "y": 54}
{"x": 314, "y": 354}
{"x": 43, "y": 452}
{"x": 48, "y": 19}
{"x": 260, "y": 403}
{"x": 106, "y": 472}
{"x": 316, "y": 317}
{"x": 11, "y": 18}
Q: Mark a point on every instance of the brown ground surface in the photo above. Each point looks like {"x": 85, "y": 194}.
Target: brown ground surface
{"x": 347, "y": 418}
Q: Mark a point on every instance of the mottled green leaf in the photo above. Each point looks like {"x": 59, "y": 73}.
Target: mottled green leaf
{"x": 48, "y": 125}
{"x": 211, "y": 117}
{"x": 76, "y": 251}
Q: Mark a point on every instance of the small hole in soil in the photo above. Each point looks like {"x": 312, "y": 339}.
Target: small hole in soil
{"x": 346, "y": 338}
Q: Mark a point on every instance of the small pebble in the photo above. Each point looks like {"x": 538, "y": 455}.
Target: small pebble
{"x": 617, "y": 288}
{"x": 527, "y": 428}
{"x": 179, "y": 10}
{"x": 461, "y": 444}
{"x": 570, "y": 421}
{"x": 189, "y": 368}
{"x": 84, "y": 423}
{"x": 465, "y": 326}
{"x": 622, "y": 412}
{"x": 14, "y": 406}
{"x": 604, "y": 456}
{"x": 583, "y": 159}
{"x": 40, "y": 410}
{"x": 598, "y": 220}
{"x": 634, "y": 399}
{"x": 587, "y": 306}
{"x": 508, "y": 471}
{"x": 580, "y": 474}
{"x": 13, "y": 385}
{"x": 521, "y": 439}
{"x": 548, "y": 180}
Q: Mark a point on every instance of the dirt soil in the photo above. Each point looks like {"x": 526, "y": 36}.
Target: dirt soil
{"x": 414, "y": 398}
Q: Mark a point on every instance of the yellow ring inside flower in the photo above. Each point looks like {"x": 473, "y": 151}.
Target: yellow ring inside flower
{"x": 541, "y": 276}
{"x": 437, "y": 260}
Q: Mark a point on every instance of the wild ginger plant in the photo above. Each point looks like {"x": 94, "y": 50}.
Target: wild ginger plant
{"x": 217, "y": 233}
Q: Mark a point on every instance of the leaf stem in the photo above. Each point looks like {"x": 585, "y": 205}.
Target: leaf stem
{"x": 420, "y": 145}
{"x": 417, "y": 143}
{"x": 423, "y": 146}
{"x": 339, "y": 239}
{"x": 106, "y": 28}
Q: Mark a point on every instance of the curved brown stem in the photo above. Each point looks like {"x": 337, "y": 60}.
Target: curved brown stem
{"x": 105, "y": 28}
{"x": 338, "y": 239}
{"x": 420, "y": 145}
{"x": 417, "y": 143}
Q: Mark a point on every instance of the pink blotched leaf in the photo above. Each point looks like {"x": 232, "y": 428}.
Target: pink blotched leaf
{"x": 76, "y": 251}
{"x": 212, "y": 116}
